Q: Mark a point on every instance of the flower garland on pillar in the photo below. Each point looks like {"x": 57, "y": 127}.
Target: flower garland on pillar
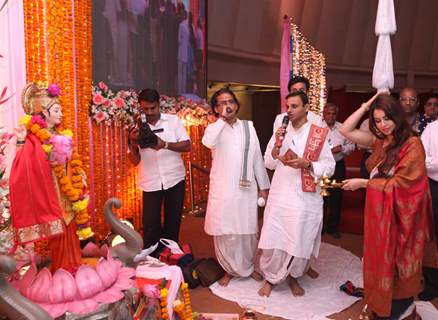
{"x": 59, "y": 50}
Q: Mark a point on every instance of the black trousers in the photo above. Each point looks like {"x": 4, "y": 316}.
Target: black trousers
{"x": 153, "y": 229}
{"x": 334, "y": 200}
{"x": 434, "y": 192}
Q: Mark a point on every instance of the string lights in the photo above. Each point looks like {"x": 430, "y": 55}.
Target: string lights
{"x": 308, "y": 62}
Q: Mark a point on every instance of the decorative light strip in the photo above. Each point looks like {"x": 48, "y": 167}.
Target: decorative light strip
{"x": 310, "y": 63}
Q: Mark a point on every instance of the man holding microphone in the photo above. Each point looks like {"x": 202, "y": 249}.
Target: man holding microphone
{"x": 237, "y": 169}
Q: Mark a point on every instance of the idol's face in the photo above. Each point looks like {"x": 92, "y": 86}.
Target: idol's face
{"x": 385, "y": 125}
{"x": 53, "y": 115}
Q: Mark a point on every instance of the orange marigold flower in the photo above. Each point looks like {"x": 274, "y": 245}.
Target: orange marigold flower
{"x": 64, "y": 180}
{"x": 35, "y": 128}
{"x": 76, "y": 178}
{"x": 76, "y": 163}
{"x": 78, "y": 185}
{"x": 81, "y": 220}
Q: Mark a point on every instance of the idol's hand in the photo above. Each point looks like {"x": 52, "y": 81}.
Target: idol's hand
{"x": 20, "y": 133}
{"x": 354, "y": 184}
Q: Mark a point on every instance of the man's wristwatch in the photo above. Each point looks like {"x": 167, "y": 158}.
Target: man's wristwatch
{"x": 309, "y": 166}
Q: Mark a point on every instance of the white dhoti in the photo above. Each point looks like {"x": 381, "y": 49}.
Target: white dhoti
{"x": 276, "y": 265}
{"x": 235, "y": 253}
{"x": 292, "y": 223}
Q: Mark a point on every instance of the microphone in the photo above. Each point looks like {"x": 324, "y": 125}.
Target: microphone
{"x": 284, "y": 124}
{"x": 229, "y": 110}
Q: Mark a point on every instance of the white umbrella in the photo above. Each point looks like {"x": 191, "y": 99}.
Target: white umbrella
{"x": 383, "y": 73}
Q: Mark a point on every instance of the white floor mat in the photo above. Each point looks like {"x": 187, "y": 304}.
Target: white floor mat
{"x": 322, "y": 298}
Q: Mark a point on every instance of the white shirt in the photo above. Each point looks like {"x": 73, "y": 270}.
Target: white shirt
{"x": 163, "y": 169}
{"x": 232, "y": 209}
{"x": 335, "y": 138}
{"x": 293, "y": 218}
{"x": 270, "y": 163}
{"x": 430, "y": 143}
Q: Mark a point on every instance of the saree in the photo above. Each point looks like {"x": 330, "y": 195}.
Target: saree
{"x": 38, "y": 210}
{"x": 398, "y": 225}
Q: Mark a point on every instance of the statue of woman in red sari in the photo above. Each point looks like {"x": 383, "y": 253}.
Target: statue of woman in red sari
{"x": 48, "y": 190}
{"x": 398, "y": 214}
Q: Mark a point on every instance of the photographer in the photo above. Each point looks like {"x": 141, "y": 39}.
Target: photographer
{"x": 156, "y": 144}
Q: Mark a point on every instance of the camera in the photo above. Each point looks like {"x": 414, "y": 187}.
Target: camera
{"x": 146, "y": 138}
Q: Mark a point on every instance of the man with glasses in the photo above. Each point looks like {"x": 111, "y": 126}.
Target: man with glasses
{"x": 409, "y": 103}
{"x": 237, "y": 169}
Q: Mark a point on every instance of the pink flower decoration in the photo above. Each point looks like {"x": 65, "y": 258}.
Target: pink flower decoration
{"x": 150, "y": 291}
{"x": 106, "y": 103}
{"x": 98, "y": 99}
{"x": 37, "y": 119}
{"x": 54, "y": 90}
{"x": 103, "y": 86}
{"x": 62, "y": 149}
{"x": 123, "y": 94}
{"x": 80, "y": 293}
{"x": 119, "y": 102}
{"x": 100, "y": 116}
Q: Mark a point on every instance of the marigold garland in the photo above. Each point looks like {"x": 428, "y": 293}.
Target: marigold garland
{"x": 163, "y": 303}
{"x": 73, "y": 187}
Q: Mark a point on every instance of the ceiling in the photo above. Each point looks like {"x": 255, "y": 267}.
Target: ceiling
{"x": 244, "y": 40}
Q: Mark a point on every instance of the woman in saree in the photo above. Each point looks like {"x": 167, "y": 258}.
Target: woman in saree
{"x": 398, "y": 215}
{"x": 48, "y": 190}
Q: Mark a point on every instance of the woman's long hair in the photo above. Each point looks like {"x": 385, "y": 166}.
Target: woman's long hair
{"x": 402, "y": 131}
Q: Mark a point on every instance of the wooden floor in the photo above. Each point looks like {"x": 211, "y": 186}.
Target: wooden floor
{"x": 192, "y": 231}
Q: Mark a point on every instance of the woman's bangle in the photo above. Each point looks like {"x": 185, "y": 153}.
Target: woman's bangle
{"x": 20, "y": 142}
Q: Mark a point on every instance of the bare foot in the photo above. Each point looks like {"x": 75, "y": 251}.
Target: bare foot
{"x": 265, "y": 291}
{"x": 225, "y": 280}
{"x": 312, "y": 273}
{"x": 295, "y": 287}
{"x": 256, "y": 276}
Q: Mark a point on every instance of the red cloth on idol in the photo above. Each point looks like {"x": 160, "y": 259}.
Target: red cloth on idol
{"x": 35, "y": 209}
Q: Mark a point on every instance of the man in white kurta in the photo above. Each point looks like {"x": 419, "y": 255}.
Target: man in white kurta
{"x": 291, "y": 232}
{"x": 232, "y": 201}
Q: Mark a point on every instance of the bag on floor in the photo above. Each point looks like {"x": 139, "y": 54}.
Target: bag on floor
{"x": 209, "y": 271}
{"x": 191, "y": 275}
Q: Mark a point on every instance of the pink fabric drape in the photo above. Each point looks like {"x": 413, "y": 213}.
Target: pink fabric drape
{"x": 285, "y": 66}
{"x": 12, "y": 68}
